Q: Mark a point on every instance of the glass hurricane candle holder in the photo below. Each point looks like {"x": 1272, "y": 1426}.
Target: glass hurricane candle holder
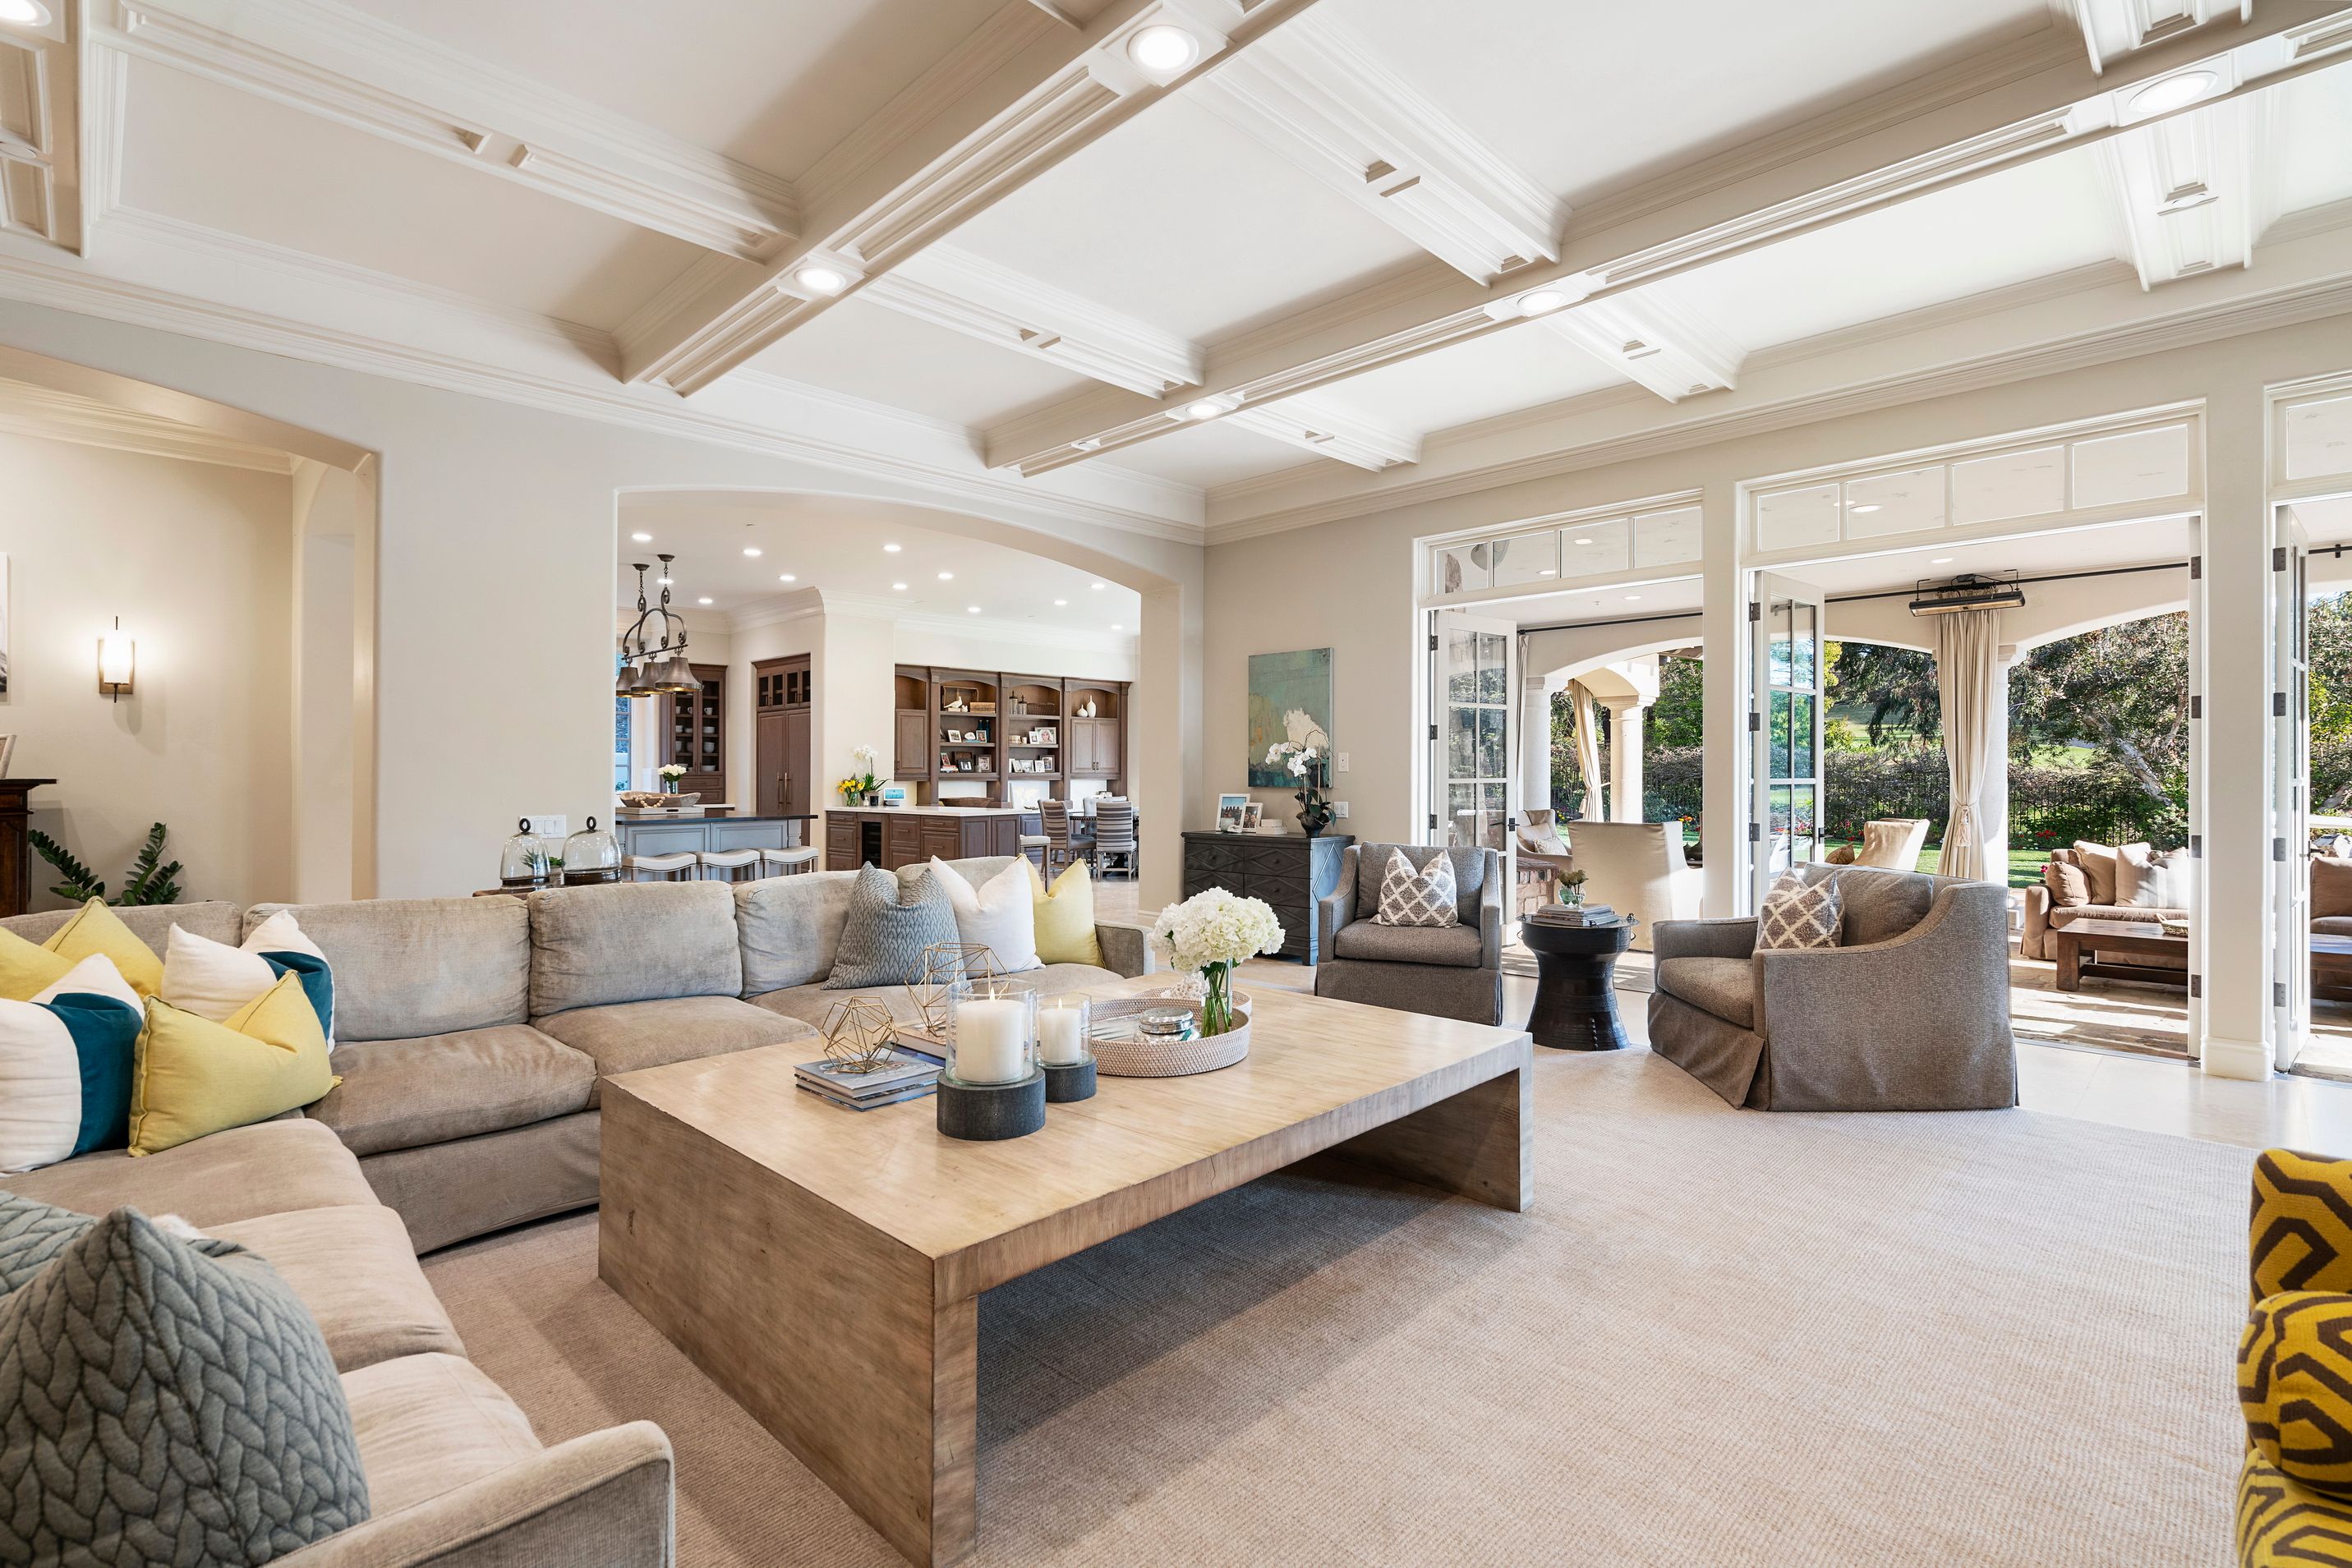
{"x": 1064, "y": 1031}
{"x": 991, "y": 1033}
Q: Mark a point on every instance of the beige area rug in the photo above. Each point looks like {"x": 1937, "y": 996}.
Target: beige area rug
{"x": 1721, "y": 1338}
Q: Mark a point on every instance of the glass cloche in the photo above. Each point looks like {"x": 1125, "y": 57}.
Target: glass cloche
{"x": 524, "y": 864}
{"x": 590, "y": 856}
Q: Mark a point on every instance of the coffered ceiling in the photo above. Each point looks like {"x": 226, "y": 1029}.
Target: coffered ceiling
{"x": 1189, "y": 266}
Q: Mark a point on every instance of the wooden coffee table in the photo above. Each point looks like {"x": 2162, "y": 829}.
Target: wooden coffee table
{"x": 825, "y": 1266}
{"x": 2331, "y": 968}
{"x": 2129, "y": 938}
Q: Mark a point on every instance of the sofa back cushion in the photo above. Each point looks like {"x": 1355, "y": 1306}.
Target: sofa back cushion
{"x": 407, "y": 967}
{"x": 2331, "y": 886}
{"x": 1469, "y": 875}
{"x": 791, "y": 927}
{"x": 633, "y": 942}
{"x": 151, "y": 923}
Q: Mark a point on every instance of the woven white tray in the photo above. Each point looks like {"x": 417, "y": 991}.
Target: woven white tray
{"x": 1120, "y": 1053}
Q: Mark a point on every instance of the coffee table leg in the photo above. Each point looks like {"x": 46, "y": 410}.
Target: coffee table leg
{"x": 2069, "y": 964}
{"x": 1478, "y": 1142}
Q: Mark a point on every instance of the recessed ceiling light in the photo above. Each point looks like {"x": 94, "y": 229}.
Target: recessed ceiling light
{"x": 972, "y": 609}
{"x": 1862, "y": 506}
{"x": 890, "y": 549}
{"x": 1584, "y": 538}
{"x": 1548, "y": 571}
{"x": 786, "y": 577}
{"x": 1162, "y": 47}
{"x": 1117, "y": 627}
{"x": 27, "y": 13}
{"x": 1631, "y": 597}
{"x": 1060, "y": 602}
{"x": 1203, "y": 408}
{"x": 751, "y": 550}
{"x": 2164, "y": 96}
{"x": 898, "y": 588}
{"x": 705, "y": 600}
{"x": 1095, "y": 586}
{"x": 642, "y": 539}
{"x": 821, "y": 279}
{"x": 1541, "y": 302}
{"x": 1941, "y": 560}
{"x": 947, "y": 577}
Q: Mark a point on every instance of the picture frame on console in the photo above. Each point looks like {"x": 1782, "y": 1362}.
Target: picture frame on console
{"x": 1231, "y": 809}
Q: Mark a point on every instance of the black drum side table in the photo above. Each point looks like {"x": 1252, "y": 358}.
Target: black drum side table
{"x": 1576, "y": 1000}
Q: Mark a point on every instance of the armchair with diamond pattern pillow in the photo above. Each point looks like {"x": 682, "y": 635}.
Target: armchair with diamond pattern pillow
{"x": 1452, "y": 969}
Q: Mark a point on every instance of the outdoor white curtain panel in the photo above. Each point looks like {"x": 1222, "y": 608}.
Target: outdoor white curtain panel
{"x": 1967, "y": 680}
{"x": 1587, "y": 751}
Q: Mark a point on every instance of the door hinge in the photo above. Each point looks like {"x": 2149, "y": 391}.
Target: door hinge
{"x": 2196, "y": 705}
{"x": 1755, "y": 721}
{"x": 1432, "y": 641}
{"x": 1433, "y": 821}
{"x": 1433, "y": 732}
{"x": 2278, "y": 993}
{"x": 1755, "y": 832}
{"x": 2278, "y": 704}
{"x": 2196, "y": 985}
{"x": 2197, "y": 846}
{"x": 2278, "y": 557}
{"x": 2278, "y": 850}
{"x": 1755, "y": 611}
{"x": 2195, "y": 567}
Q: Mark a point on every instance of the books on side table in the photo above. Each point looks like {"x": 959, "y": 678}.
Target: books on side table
{"x": 1574, "y": 914}
{"x": 905, "y": 1077}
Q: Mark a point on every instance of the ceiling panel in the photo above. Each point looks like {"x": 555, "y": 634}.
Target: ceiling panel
{"x": 210, "y": 154}
{"x": 2023, "y": 222}
{"x": 1179, "y": 219}
{"x": 1584, "y": 97}
{"x": 774, "y": 83}
{"x": 887, "y": 357}
{"x": 1497, "y": 374}
{"x": 2311, "y": 153}
{"x": 1216, "y": 453}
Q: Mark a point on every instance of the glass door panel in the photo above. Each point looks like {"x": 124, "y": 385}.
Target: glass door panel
{"x": 2290, "y": 746}
{"x": 1473, "y": 788}
{"x": 1785, "y": 713}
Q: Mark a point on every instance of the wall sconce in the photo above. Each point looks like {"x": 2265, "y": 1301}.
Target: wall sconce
{"x": 118, "y": 658}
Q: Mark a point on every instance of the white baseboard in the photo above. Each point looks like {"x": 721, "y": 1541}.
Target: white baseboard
{"x": 2237, "y": 1058}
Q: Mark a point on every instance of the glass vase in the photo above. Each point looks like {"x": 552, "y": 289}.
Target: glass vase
{"x": 1216, "y": 998}
{"x": 1065, "y": 1035}
{"x": 991, "y": 1033}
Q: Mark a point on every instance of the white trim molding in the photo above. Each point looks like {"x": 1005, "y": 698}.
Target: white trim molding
{"x": 2193, "y": 192}
{"x": 1314, "y": 425}
{"x": 40, "y": 138}
{"x": 2116, "y": 27}
{"x": 28, "y": 410}
{"x": 1653, "y": 342}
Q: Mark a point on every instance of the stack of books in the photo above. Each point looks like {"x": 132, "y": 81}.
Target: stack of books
{"x": 906, "y": 1077}
{"x": 1574, "y": 914}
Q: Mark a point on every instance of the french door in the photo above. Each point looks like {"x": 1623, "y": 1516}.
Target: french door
{"x": 1474, "y": 681}
{"x": 2291, "y": 771}
{"x": 1787, "y": 681}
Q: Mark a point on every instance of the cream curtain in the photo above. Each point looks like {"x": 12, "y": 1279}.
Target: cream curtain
{"x": 1587, "y": 751}
{"x": 1967, "y": 646}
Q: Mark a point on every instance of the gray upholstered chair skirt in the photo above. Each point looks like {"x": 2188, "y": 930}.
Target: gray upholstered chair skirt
{"x": 1909, "y": 1013}
{"x": 1454, "y": 971}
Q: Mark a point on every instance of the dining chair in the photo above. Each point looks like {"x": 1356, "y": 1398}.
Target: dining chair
{"x": 1115, "y": 833}
{"x": 1055, "y": 817}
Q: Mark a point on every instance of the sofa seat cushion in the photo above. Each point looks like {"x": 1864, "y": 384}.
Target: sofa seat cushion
{"x": 430, "y": 1423}
{"x": 354, "y": 1268}
{"x": 2142, "y": 915}
{"x": 1724, "y": 986}
{"x": 405, "y": 1094}
{"x": 809, "y": 1004}
{"x": 269, "y": 1168}
{"x": 1457, "y": 946}
{"x": 629, "y": 1035}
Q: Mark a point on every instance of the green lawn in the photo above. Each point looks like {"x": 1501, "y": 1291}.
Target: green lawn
{"x": 2024, "y": 865}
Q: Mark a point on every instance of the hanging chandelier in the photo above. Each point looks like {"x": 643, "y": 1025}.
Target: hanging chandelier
{"x": 650, "y": 669}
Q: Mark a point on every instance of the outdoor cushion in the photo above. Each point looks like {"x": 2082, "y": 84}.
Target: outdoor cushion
{"x": 1469, "y": 875}
{"x": 405, "y": 1094}
{"x": 2060, "y": 918}
{"x": 1457, "y": 946}
{"x": 1724, "y": 986}
{"x": 630, "y": 1035}
{"x": 266, "y": 1169}
{"x": 430, "y": 1423}
{"x": 2069, "y": 888}
{"x": 2331, "y": 886}
{"x": 2099, "y": 863}
{"x": 409, "y": 967}
{"x": 355, "y": 1270}
{"x": 2332, "y": 926}
{"x": 809, "y": 1004}
{"x": 633, "y": 942}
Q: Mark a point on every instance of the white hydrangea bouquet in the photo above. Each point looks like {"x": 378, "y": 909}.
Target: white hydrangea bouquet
{"x": 1207, "y": 935}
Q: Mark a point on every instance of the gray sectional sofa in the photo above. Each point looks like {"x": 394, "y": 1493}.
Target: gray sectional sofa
{"x": 471, "y": 1036}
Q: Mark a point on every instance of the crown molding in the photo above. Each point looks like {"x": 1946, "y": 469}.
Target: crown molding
{"x": 1945, "y": 350}
{"x": 1315, "y": 95}
{"x": 40, "y": 142}
{"x": 345, "y": 65}
{"x": 776, "y": 608}
{"x": 2014, "y": 105}
{"x": 1653, "y": 342}
{"x": 2184, "y": 190}
{"x": 28, "y": 410}
{"x": 950, "y": 147}
{"x": 1312, "y": 423}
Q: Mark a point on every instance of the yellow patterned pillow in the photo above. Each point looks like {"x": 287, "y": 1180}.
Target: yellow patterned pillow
{"x": 2301, "y": 1234}
{"x": 2282, "y": 1524}
{"x": 95, "y": 929}
{"x": 2295, "y": 1380}
{"x": 1066, "y": 916}
{"x": 26, "y": 969}
{"x": 194, "y": 1076}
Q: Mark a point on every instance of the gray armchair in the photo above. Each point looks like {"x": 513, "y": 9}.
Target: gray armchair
{"x": 1909, "y": 1013}
{"x": 1454, "y": 971}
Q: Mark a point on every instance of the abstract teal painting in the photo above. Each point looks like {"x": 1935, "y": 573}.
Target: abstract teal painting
{"x": 1289, "y": 699}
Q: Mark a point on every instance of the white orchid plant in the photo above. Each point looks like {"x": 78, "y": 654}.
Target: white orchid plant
{"x": 1207, "y": 935}
{"x": 866, "y": 779}
{"x": 1309, "y": 763}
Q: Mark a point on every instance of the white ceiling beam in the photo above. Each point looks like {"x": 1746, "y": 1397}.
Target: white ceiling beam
{"x": 1023, "y": 94}
{"x": 968, "y": 294}
{"x": 2112, "y": 28}
{"x": 1654, "y": 342}
{"x": 1314, "y": 94}
{"x": 346, "y": 66}
{"x": 40, "y": 192}
{"x": 1312, "y": 424}
{"x": 2023, "y": 103}
{"x": 2185, "y": 190}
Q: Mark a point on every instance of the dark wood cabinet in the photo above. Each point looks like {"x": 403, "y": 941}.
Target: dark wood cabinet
{"x": 911, "y": 750}
{"x": 900, "y": 837}
{"x": 694, "y": 734}
{"x": 992, "y": 727}
{"x": 1290, "y": 872}
{"x": 16, "y": 847}
{"x": 780, "y": 721}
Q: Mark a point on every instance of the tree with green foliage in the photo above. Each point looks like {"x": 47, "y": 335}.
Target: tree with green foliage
{"x": 2122, "y": 689}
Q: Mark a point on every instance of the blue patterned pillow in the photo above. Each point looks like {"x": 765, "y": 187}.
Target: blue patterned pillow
{"x": 882, "y": 941}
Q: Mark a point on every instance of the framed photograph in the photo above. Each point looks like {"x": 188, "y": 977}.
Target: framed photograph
{"x": 1230, "y": 810}
{"x": 1252, "y": 816}
{"x": 1289, "y": 699}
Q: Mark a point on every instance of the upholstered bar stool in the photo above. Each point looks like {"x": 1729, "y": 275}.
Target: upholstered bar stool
{"x": 732, "y": 865}
{"x": 679, "y": 867}
{"x": 788, "y": 862}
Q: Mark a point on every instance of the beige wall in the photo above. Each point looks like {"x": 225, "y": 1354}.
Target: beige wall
{"x": 196, "y": 559}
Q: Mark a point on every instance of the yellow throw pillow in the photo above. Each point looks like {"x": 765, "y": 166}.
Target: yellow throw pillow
{"x": 26, "y": 969}
{"x": 194, "y": 1076}
{"x": 95, "y": 929}
{"x": 2292, "y": 1368}
{"x": 1066, "y": 916}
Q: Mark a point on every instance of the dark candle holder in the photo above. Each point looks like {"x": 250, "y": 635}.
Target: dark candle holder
{"x": 1065, "y": 1084}
{"x": 984, "y": 1112}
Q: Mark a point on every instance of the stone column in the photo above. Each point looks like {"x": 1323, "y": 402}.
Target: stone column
{"x": 1535, "y": 742}
{"x": 1625, "y": 726}
{"x": 2229, "y": 939}
{"x": 1993, "y": 801}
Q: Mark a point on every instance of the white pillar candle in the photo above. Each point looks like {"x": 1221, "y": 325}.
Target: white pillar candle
{"x": 1061, "y": 1042}
{"x": 989, "y": 1046}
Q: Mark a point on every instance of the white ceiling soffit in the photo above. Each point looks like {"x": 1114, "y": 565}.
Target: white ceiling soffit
{"x": 1953, "y": 126}
{"x": 1313, "y": 425}
{"x": 1024, "y": 93}
{"x": 1314, "y": 94}
{"x": 1653, "y": 342}
{"x": 2115, "y": 27}
{"x": 348, "y": 66}
{"x": 39, "y": 182}
{"x": 2194, "y": 194}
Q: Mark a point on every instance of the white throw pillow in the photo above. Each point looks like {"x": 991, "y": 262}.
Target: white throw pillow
{"x": 41, "y": 1087}
{"x": 213, "y": 979}
{"x": 1000, "y": 914}
{"x": 1424, "y": 897}
{"x": 96, "y": 976}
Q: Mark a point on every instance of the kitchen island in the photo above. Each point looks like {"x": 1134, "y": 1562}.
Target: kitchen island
{"x": 673, "y": 832}
{"x": 891, "y": 837}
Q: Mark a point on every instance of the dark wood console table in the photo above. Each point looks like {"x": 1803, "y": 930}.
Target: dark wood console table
{"x": 1289, "y": 871}
{"x": 16, "y": 852}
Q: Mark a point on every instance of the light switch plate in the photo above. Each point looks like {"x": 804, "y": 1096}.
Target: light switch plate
{"x": 550, "y": 826}
{"x": 1343, "y": 762}
{"x": 1339, "y": 807}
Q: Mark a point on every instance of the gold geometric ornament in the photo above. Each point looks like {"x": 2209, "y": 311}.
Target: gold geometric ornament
{"x": 858, "y": 1035}
{"x": 943, "y": 964}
